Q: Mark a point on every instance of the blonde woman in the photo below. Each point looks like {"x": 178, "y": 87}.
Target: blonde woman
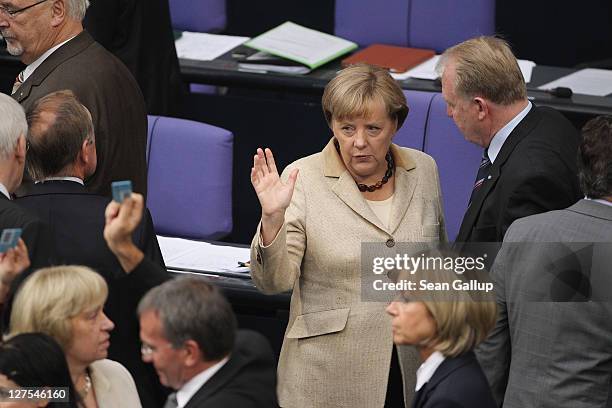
{"x": 445, "y": 324}
{"x": 66, "y": 302}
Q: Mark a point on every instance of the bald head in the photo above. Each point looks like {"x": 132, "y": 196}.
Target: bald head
{"x": 60, "y": 127}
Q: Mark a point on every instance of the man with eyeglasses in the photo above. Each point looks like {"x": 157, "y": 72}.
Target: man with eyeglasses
{"x": 48, "y": 36}
{"x": 188, "y": 331}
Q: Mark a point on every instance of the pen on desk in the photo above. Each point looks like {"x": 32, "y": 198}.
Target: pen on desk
{"x": 246, "y": 264}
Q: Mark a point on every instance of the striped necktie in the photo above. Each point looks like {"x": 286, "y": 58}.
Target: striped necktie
{"x": 18, "y": 82}
{"x": 483, "y": 172}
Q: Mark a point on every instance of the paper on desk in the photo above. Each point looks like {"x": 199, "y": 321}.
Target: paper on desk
{"x": 589, "y": 81}
{"x": 181, "y": 253}
{"x": 205, "y": 47}
{"x": 427, "y": 70}
{"x": 310, "y": 47}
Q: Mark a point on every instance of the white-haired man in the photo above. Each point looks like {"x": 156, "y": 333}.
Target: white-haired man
{"x": 48, "y": 37}
{"x": 13, "y": 128}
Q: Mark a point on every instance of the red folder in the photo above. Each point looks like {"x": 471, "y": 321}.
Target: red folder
{"x": 395, "y": 59}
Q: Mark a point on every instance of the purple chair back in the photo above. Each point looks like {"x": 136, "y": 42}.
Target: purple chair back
{"x": 189, "y": 178}
{"x": 457, "y": 160}
{"x": 203, "y": 16}
{"x": 434, "y": 24}
{"x": 412, "y": 133}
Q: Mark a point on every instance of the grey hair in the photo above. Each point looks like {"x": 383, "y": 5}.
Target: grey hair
{"x": 192, "y": 309}
{"x": 13, "y": 125}
{"x": 77, "y": 8}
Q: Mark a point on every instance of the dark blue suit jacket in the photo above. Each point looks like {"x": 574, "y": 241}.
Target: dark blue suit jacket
{"x": 457, "y": 383}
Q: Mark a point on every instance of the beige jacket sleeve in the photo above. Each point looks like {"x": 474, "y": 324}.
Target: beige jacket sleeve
{"x": 275, "y": 268}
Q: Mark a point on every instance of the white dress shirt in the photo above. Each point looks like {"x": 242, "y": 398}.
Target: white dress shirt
{"x": 428, "y": 368}
{"x": 192, "y": 386}
{"x": 500, "y": 137}
{"x": 75, "y": 179}
{"x": 4, "y": 191}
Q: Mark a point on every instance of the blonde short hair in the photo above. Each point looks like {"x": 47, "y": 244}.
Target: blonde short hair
{"x": 463, "y": 318}
{"x": 351, "y": 92}
{"x": 486, "y": 66}
{"x": 50, "y": 297}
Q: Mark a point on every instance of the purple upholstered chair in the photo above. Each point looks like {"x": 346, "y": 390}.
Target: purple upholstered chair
{"x": 203, "y": 16}
{"x": 189, "y": 178}
{"x": 412, "y": 133}
{"x": 457, "y": 160}
{"x": 434, "y": 24}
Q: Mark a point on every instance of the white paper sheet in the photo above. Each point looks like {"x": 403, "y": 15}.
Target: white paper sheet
{"x": 427, "y": 70}
{"x": 589, "y": 81}
{"x": 202, "y": 256}
{"x": 205, "y": 47}
{"x": 301, "y": 44}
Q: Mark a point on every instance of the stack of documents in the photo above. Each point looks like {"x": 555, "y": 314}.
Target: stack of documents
{"x": 311, "y": 48}
{"x": 197, "y": 256}
{"x": 427, "y": 70}
{"x": 205, "y": 47}
{"x": 589, "y": 81}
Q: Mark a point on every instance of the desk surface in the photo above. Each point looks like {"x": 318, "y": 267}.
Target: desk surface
{"x": 224, "y": 72}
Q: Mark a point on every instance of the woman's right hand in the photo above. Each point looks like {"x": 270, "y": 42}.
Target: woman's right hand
{"x": 274, "y": 195}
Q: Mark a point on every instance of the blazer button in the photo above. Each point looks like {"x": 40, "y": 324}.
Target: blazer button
{"x": 390, "y": 243}
{"x": 259, "y": 259}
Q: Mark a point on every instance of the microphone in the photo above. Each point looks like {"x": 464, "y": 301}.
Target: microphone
{"x": 559, "y": 92}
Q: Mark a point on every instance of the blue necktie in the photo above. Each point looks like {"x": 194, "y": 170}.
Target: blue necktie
{"x": 483, "y": 172}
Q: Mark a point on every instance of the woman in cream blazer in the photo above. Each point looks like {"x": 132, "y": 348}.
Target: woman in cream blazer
{"x": 337, "y": 348}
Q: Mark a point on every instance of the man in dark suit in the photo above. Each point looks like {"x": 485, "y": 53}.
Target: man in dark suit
{"x": 551, "y": 343}
{"x": 48, "y": 37}
{"x": 62, "y": 153}
{"x": 528, "y": 164}
{"x": 188, "y": 332}
{"x": 13, "y": 130}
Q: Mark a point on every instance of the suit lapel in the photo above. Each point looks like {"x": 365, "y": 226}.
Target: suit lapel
{"x": 68, "y": 50}
{"x": 216, "y": 382}
{"x": 347, "y": 191}
{"x": 405, "y": 184}
{"x": 449, "y": 365}
{"x": 516, "y": 136}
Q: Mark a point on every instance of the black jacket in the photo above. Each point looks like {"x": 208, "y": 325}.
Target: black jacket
{"x": 457, "y": 383}
{"x": 534, "y": 172}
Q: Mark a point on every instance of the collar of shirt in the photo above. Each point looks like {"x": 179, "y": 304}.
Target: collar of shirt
{"x": 29, "y": 70}
{"x": 192, "y": 386}
{"x": 597, "y": 200}
{"x": 500, "y": 137}
{"x": 75, "y": 179}
{"x": 428, "y": 368}
{"x": 4, "y": 191}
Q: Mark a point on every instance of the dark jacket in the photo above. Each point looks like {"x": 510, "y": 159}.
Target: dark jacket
{"x": 247, "y": 380}
{"x": 535, "y": 171}
{"x": 457, "y": 383}
{"x": 105, "y": 86}
{"x": 76, "y": 222}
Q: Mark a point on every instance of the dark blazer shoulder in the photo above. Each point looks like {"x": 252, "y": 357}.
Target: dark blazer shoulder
{"x": 458, "y": 381}
{"x": 247, "y": 380}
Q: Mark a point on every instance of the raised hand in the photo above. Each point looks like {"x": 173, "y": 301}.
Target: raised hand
{"x": 274, "y": 195}
{"x": 121, "y": 221}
